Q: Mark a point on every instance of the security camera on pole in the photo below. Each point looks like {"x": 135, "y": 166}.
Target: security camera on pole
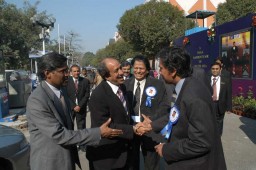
{"x": 47, "y": 23}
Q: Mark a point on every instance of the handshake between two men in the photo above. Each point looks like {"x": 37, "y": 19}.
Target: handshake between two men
{"x": 143, "y": 127}
{"x": 139, "y": 129}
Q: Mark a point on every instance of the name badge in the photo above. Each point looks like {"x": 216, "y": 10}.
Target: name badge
{"x": 173, "y": 118}
{"x": 136, "y": 119}
{"x": 151, "y": 93}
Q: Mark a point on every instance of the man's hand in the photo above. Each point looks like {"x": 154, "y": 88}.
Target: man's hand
{"x": 159, "y": 149}
{"x": 77, "y": 108}
{"x": 146, "y": 119}
{"x": 143, "y": 127}
{"x": 107, "y": 132}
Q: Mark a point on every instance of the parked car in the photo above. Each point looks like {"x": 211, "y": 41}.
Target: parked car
{"x": 14, "y": 149}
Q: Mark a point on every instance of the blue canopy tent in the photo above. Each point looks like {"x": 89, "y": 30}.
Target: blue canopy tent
{"x": 34, "y": 55}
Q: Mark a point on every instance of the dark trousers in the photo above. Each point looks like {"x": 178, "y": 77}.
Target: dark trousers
{"x": 80, "y": 119}
{"x": 219, "y": 117}
{"x": 150, "y": 157}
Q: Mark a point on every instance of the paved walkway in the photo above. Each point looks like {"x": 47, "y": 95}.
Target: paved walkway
{"x": 238, "y": 139}
{"x": 239, "y": 142}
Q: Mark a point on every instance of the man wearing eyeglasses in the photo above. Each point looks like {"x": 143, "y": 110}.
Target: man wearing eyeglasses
{"x": 52, "y": 138}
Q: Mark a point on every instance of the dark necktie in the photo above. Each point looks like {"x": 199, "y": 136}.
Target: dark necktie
{"x": 121, "y": 97}
{"x": 67, "y": 115}
{"x": 76, "y": 85}
{"x": 214, "y": 88}
{"x": 136, "y": 103}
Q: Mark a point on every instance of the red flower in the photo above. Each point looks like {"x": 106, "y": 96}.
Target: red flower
{"x": 209, "y": 33}
{"x": 185, "y": 41}
{"x": 240, "y": 89}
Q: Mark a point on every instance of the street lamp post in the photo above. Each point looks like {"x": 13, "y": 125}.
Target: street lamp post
{"x": 47, "y": 23}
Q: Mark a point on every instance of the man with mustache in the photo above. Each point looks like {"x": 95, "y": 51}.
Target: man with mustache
{"x": 52, "y": 138}
{"x": 108, "y": 100}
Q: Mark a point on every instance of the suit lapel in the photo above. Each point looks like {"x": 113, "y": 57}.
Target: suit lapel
{"x": 57, "y": 110}
{"x": 115, "y": 98}
{"x": 69, "y": 116}
{"x": 222, "y": 86}
{"x": 80, "y": 79}
{"x": 130, "y": 88}
{"x": 144, "y": 96}
{"x": 186, "y": 82}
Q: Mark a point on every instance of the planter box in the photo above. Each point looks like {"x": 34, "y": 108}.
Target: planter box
{"x": 241, "y": 113}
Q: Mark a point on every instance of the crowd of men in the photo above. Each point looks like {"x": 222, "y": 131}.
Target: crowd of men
{"x": 177, "y": 118}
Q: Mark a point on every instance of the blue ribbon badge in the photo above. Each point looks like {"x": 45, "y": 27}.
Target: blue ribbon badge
{"x": 151, "y": 93}
{"x": 173, "y": 118}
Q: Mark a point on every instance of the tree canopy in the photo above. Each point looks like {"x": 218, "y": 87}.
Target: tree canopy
{"x": 233, "y": 9}
{"x": 151, "y": 26}
{"x": 16, "y": 33}
{"x": 121, "y": 50}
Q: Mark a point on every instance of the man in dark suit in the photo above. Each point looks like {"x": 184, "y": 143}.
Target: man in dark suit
{"x": 193, "y": 141}
{"x": 234, "y": 58}
{"x": 223, "y": 71}
{"x": 52, "y": 138}
{"x": 78, "y": 89}
{"x": 221, "y": 95}
{"x": 234, "y": 52}
{"x": 126, "y": 68}
{"x": 153, "y": 103}
{"x": 108, "y": 100}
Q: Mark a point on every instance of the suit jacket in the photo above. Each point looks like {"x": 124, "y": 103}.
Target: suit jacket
{"x": 194, "y": 143}
{"x": 53, "y": 142}
{"x": 103, "y": 104}
{"x": 82, "y": 94}
{"x": 159, "y": 107}
{"x": 225, "y": 95}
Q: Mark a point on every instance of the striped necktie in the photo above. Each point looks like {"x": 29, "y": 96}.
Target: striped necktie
{"x": 214, "y": 88}
{"x": 121, "y": 97}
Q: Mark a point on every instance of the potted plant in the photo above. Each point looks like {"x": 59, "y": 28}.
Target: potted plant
{"x": 244, "y": 106}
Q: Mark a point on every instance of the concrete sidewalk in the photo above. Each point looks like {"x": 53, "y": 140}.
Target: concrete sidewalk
{"x": 239, "y": 142}
{"x": 238, "y": 139}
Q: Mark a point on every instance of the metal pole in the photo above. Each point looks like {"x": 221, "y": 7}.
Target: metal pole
{"x": 59, "y": 36}
{"x": 43, "y": 33}
{"x": 64, "y": 45}
{"x": 205, "y": 8}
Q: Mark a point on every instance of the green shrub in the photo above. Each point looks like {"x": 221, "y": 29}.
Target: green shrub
{"x": 246, "y": 104}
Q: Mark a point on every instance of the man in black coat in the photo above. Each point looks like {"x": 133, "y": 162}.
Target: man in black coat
{"x": 193, "y": 142}
{"x": 78, "y": 89}
{"x": 153, "y": 103}
{"x": 222, "y": 98}
{"x": 108, "y": 100}
{"x": 126, "y": 68}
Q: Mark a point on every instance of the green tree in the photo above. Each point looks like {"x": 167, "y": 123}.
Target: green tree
{"x": 87, "y": 59}
{"x": 151, "y": 26}
{"x": 233, "y": 9}
{"x": 121, "y": 50}
{"x": 17, "y": 33}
